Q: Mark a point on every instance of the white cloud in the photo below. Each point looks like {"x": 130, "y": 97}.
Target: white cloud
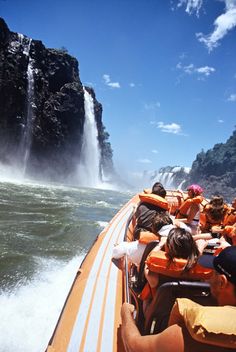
{"x": 191, "y": 69}
{"x": 220, "y": 121}
{"x": 108, "y": 82}
{"x": 168, "y": 128}
{"x": 154, "y": 151}
{"x": 132, "y": 85}
{"x": 152, "y": 106}
{"x": 223, "y": 24}
{"x": 144, "y": 161}
{"x": 206, "y": 70}
{"x": 191, "y": 5}
{"x": 232, "y": 97}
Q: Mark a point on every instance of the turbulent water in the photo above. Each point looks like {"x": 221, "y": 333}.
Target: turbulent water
{"x": 45, "y": 231}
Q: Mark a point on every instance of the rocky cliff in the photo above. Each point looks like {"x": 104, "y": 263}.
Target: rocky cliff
{"x": 42, "y": 108}
{"x": 215, "y": 169}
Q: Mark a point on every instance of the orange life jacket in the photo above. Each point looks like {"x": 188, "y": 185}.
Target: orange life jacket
{"x": 230, "y": 217}
{"x": 147, "y": 292}
{"x": 154, "y": 199}
{"x": 174, "y": 198}
{"x": 158, "y": 262}
{"x": 183, "y": 210}
{"x": 230, "y": 231}
{"x": 146, "y": 237}
{"x": 207, "y": 221}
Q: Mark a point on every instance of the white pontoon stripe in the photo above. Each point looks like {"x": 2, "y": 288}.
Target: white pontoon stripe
{"x": 97, "y": 276}
{"x": 107, "y": 338}
{"x": 95, "y": 316}
{"x": 107, "y": 342}
{"x": 98, "y": 297}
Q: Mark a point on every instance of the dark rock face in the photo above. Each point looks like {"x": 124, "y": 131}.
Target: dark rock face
{"x": 215, "y": 169}
{"x": 45, "y": 84}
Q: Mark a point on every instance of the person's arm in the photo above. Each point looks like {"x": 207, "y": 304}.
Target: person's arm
{"x": 202, "y": 236}
{"x": 217, "y": 229}
{"x": 194, "y": 208}
{"x": 178, "y": 221}
{"x": 201, "y": 245}
{"x": 160, "y": 244}
{"x": 169, "y": 340}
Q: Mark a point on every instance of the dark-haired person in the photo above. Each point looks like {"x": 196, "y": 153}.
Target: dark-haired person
{"x": 151, "y": 204}
{"x": 178, "y": 259}
{"x": 215, "y": 331}
{"x": 213, "y": 213}
{"x": 134, "y": 250}
{"x": 179, "y": 245}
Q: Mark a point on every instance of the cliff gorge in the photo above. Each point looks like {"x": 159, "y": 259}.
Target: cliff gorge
{"x": 215, "y": 169}
{"x": 42, "y": 109}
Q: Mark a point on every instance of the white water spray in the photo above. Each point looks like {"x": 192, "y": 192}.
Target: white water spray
{"x": 29, "y": 313}
{"x": 27, "y": 135}
{"x": 90, "y": 153}
{"x": 168, "y": 177}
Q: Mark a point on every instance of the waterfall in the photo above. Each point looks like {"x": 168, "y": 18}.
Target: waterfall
{"x": 27, "y": 133}
{"x": 171, "y": 177}
{"x": 89, "y": 168}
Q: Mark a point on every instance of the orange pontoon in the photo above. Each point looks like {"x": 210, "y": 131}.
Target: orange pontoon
{"x": 90, "y": 319}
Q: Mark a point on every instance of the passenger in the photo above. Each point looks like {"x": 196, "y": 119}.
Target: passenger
{"x": 228, "y": 232}
{"x": 189, "y": 212}
{"x": 230, "y": 216}
{"x": 213, "y": 213}
{"x": 151, "y": 205}
{"x": 179, "y": 259}
{"x": 180, "y": 336}
{"x": 134, "y": 250}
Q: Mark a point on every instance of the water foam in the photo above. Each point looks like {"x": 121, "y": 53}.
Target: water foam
{"x": 29, "y": 313}
{"x": 102, "y": 224}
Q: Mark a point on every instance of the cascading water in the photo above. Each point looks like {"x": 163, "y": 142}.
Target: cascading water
{"x": 89, "y": 168}
{"x": 171, "y": 177}
{"x": 27, "y": 133}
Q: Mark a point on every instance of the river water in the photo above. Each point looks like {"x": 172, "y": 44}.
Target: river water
{"x": 45, "y": 232}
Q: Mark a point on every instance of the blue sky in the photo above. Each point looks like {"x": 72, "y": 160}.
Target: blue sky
{"x": 164, "y": 71}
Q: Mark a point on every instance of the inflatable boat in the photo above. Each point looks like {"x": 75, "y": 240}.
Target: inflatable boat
{"x": 90, "y": 319}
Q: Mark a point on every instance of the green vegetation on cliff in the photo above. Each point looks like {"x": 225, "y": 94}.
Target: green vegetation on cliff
{"x": 215, "y": 169}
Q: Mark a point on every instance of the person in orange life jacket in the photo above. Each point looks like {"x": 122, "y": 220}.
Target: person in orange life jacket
{"x": 189, "y": 211}
{"x": 228, "y": 232}
{"x": 230, "y": 216}
{"x": 179, "y": 244}
{"x": 214, "y": 213}
{"x": 146, "y": 212}
{"x": 134, "y": 250}
{"x": 178, "y": 336}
